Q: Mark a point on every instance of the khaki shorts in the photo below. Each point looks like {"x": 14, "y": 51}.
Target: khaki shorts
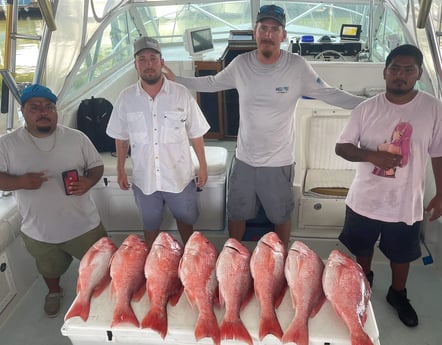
{"x": 53, "y": 259}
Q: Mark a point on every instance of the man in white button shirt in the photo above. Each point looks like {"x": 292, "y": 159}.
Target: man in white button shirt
{"x": 156, "y": 118}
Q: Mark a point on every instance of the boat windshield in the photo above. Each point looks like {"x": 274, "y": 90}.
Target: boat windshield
{"x": 113, "y": 26}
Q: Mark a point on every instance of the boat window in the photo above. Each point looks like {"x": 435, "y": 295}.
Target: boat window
{"x": 323, "y": 18}
{"x": 111, "y": 50}
{"x": 100, "y": 8}
{"x": 389, "y": 35}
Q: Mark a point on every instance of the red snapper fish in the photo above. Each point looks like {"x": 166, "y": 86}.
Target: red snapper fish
{"x": 128, "y": 281}
{"x": 235, "y": 289}
{"x": 162, "y": 281}
{"x": 267, "y": 267}
{"x": 197, "y": 273}
{"x": 303, "y": 271}
{"x": 346, "y": 287}
{"x": 93, "y": 276}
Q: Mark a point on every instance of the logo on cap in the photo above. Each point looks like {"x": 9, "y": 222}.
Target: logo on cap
{"x": 144, "y": 42}
{"x": 271, "y": 12}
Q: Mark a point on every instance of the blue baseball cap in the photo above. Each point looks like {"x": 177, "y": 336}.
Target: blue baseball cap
{"x": 271, "y": 12}
{"x": 37, "y": 90}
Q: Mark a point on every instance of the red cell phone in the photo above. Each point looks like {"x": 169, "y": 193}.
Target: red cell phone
{"x": 68, "y": 177}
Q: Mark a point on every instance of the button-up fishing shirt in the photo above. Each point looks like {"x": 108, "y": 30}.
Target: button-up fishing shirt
{"x": 158, "y": 130}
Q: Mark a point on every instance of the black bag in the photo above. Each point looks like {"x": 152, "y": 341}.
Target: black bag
{"x": 92, "y": 118}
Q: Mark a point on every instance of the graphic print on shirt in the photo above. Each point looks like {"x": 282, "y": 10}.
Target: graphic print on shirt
{"x": 399, "y": 144}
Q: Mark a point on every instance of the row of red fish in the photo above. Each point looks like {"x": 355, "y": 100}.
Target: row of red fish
{"x": 230, "y": 278}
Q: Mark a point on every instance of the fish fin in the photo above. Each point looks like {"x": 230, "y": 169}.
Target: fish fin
{"x": 78, "y": 286}
{"x": 360, "y": 338}
{"x": 101, "y": 286}
{"x": 207, "y": 327}
{"x": 364, "y": 317}
{"x": 297, "y": 333}
{"x": 139, "y": 293}
{"x": 318, "y": 306}
{"x": 156, "y": 319}
{"x": 217, "y": 298}
{"x": 235, "y": 330}
{"x": 280, "y": 296}
{"x": 173, "y": 300}
{"x": 270, "y": 325}
{"x": 81, "y": 308}
{"x": 248, "y": 297}
{"x": 124, "y": 314}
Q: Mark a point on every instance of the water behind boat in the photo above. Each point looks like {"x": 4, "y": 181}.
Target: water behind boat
{"x": 29, "y": 23}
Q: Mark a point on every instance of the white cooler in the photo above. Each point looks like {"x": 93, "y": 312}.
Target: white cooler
{"x": 325, "y": 328}
{"x": 119, "y": 212}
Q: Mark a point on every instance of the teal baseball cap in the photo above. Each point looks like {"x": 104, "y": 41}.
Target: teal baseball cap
{"x": 37, "y": 90}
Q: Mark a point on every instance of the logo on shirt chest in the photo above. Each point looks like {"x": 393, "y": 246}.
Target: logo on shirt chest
{"x": 282, "y": 89}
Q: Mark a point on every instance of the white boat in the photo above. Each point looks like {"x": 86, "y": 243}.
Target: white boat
{"x": 86, "y": 50}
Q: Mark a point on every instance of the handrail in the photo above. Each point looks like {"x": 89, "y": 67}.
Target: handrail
{"x": 424, "y": 10}
{"x": 435, "y": 53}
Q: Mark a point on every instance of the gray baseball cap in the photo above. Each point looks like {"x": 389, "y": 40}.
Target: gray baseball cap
{"x": 144, "y": 42}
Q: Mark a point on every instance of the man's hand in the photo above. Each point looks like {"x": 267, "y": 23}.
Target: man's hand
{"x": 32, "y": 180}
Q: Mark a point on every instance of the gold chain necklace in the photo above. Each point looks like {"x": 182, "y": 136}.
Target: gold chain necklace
{"x": 38, "y": 147}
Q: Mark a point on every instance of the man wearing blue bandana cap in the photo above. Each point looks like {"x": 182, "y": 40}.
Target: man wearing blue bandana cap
{"x": 58, "y": 224}
{"x": 269, "y": 82}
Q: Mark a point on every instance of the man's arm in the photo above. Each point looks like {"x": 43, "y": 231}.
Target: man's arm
{"x": 223, "y": 80}
{"x": 122, "y": 148}
{"x": 382, "y": 159}
{"x": 434, "y": 207}
{"x": 198, "y": 147}
{"x": 27, "y": 181}
{"x": 84, "y": 183}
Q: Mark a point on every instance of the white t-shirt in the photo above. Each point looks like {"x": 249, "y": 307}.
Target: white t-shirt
{"x": 413, "y": 130}
{"x": 268, "y": 94}
{"x": 49, "y": 215}
{"x": 159, "y": 131}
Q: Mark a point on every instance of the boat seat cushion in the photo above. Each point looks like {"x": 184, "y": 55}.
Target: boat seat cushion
{"x": 216, "y": 158}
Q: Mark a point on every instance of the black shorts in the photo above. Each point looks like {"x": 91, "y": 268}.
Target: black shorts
{"x": 399, "y": 242}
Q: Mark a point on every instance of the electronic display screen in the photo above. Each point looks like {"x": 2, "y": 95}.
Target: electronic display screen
{"x": 350, "y": 32}
{"x": 201, "y": 40}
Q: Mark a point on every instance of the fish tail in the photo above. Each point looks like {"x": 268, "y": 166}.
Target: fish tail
{"x": 360, "y": 338}
{"x": 80, "y": 308}
{"x": 156, "y": 319}
{"x": 124, "y": 314}
{"x": 235, "y": 330}
{"x": 270, "y": 325}
{"x": 207, "y": 327}
{"x": 297, "y": 333}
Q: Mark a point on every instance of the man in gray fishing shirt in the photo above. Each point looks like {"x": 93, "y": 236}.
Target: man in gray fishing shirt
{"x": 269, "y": 82}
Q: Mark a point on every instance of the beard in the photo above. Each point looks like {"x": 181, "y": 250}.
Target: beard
{"x": 266, "y": 49}
{"x": 399, "y": 92}
{"x": 45, "y": 129}
{"x": 151, "y": 79}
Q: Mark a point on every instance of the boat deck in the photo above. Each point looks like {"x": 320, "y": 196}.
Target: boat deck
{"x": 29, "y": 321}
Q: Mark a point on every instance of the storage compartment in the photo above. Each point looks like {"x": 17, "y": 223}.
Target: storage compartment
{"x": 320, "y": 212}
{"x": 7, "y": 285}
{"x": 325, "y": 328}
{"x": 119, "y": 212}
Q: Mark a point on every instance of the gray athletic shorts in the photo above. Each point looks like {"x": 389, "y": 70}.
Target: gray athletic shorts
{"x": 399, "y": 242}
{"x": 183, "y": 206}
{"x": 252, "y": 187}
{"x": 53, "y": 259}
